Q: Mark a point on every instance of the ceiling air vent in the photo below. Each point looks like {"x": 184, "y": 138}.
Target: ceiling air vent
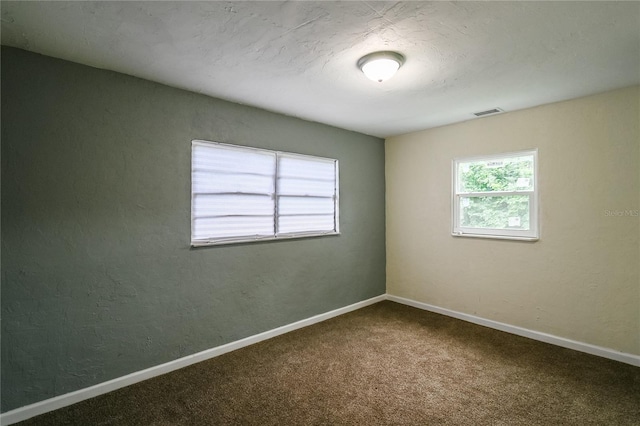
{"x": 488, "y": 112}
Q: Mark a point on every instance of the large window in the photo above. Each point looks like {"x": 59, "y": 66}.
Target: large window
{"x": 496, "y": 196}
{"x": 241, "y": 194}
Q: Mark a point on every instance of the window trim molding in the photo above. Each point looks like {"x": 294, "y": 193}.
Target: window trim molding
{"x": 276, "y": 235}
{"x": 532, "y": 234}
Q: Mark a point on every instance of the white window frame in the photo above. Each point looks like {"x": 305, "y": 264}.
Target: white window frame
{"x": 531, "y": 234}
{"x": 276, "y": 234}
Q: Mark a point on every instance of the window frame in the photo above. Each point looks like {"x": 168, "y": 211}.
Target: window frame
{"x": 276, "y": 235}
{"x": 532, "y": 234}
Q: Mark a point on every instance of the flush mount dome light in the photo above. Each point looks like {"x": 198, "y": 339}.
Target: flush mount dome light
{"x": 380, "y": 66}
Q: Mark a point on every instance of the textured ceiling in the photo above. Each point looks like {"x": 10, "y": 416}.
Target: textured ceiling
{"x": 299, "y": 58}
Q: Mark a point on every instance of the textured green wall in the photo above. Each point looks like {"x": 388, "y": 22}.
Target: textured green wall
{"x": 98, "y": 279}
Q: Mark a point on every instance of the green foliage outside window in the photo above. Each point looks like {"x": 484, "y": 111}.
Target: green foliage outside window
{"x": 507, "y": 211}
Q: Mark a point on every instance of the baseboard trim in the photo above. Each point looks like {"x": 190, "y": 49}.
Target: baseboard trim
{"x": 531, "y": 334}
{"x": 32, "y": 410}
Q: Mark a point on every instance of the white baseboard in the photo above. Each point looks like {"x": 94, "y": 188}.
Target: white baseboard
{"x": 32, "y": 410}
{"x": 531, "y": 334}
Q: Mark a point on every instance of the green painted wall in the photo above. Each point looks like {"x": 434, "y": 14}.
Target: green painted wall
{"x": 98, "y": 279}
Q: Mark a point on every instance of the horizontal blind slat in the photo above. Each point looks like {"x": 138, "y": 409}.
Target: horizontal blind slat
{"x": 306, "y": 168}
{"x": 232, "y": 226}
{"x": 221, "y": 158}
{"x": 231, "y": 182}
{"x": 288, "y": 186}
{"x": 302, "y": 205}
{"x": 217, "y": 205}
{"x": 306, "y": 223}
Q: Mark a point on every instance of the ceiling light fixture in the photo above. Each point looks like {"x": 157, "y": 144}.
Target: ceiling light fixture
{"x": 380, "y": 66}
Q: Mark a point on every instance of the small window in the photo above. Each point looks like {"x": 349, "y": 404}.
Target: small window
{"x": 496, "y": 196}
{"x": 241, "y": 194}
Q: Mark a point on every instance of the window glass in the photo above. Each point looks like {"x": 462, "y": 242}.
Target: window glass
{"x": 496, "y": 196}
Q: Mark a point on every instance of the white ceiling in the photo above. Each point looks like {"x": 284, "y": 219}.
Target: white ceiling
{"x": 299, "y": 58}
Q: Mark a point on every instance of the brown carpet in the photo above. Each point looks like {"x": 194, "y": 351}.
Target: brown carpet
{"x": 386, "y": 364}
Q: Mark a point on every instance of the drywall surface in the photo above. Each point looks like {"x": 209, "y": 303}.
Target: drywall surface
{"x": 98, "y": 278}
{"x": 580, "y": 280}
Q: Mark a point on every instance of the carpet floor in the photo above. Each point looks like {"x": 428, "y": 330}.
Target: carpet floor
{"x": 386, "y": 364}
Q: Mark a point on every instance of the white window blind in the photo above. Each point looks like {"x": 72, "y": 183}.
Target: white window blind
{"x": 241, "y": 194}
{"x": 306, "y": 194}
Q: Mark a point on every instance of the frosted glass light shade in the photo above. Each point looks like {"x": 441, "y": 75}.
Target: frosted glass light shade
{"x": 380, "y": 66}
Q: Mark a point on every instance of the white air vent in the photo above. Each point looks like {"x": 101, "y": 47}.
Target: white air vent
{"x": 488, "y": 112}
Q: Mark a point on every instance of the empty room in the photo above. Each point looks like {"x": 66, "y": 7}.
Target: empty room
{"x": 314, "y": 212}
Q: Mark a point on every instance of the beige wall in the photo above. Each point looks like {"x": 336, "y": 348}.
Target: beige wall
{"x": 581, "y": 280}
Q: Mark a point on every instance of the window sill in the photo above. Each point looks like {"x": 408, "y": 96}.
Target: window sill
{"x": 497, "y": 237}
{"x": 205, "y": 243}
